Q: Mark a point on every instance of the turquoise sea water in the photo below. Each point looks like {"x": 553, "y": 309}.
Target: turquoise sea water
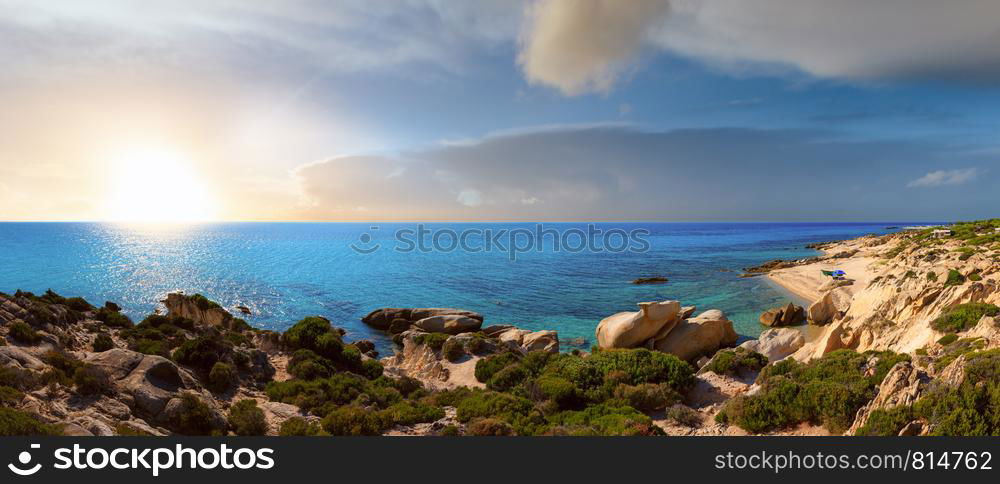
{"x": 285, "y": 271}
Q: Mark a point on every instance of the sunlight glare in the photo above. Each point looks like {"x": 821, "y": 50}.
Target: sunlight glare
{"x": 157, "y": 186}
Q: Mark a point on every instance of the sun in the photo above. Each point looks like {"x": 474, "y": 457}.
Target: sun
{"x": 157, "y": 186}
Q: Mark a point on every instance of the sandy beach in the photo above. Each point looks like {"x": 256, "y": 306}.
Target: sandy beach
{"x": 805, "y": 280}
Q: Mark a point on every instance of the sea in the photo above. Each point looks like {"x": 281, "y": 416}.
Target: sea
{"x": 560, "y": 276}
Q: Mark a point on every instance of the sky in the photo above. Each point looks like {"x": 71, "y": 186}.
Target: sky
{"x": 772, "y": 110}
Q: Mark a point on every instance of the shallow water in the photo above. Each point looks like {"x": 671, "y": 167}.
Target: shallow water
{"x": 285, "y": 271}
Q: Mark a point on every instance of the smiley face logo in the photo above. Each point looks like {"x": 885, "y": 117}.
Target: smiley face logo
{"x": 25, "y": 458}
{"x": 364, "y": 245}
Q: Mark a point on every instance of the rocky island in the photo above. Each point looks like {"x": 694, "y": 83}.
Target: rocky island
{"x": 904, "y": 344}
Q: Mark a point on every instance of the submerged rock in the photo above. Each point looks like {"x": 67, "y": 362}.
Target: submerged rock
{"x": 651, "y": 280}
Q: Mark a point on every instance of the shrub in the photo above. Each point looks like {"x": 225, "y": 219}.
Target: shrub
{"x": 605, "y": 419}
{"x": 683, "y": 416}
{"x": 644, "y": 366}
{"x": 487, "y": 367}
{"x": 452, "y": 350}
{"x": 103, "y": 343}
{"x": 490, "y": 427}
{"x": 948, "y": 339}
{"x": 92, "y": 380}
{"x": 150, "y": 347}
{"x": 886, "y": 422}
{"x": 194, "y": 417}
{"x": 18, "y": 423}
{"x": 557, "y": 389}
{"x": 932, "y": 276}
{"x": 734, "y": 361}
{"x": 306, "y": 332}
{"x": 354, "y": 420}
{"x": 449, "y": 431}
{"x": 371, "y": 369}
{"x": 964, "y": 316}
{"x": 246, "y": 418}
{"x": 204, "y": 303}
{"x": 203, "y": 352}
{"x": 975, "y": 277}
{"x": 23, "y": 380}
{"x": 955, "y": 278}
{"x": 318, "y": 396}
{"x": 298, "y": 426}
{"x": 434, "y": 340}
{"x": 23, "y": 333}
{"x": 508, "y": 378}
{"x": 648, "y": 397}
{"x": 221, "y": 377}
{"x": 480, "y": 404}
{"x": 827, "y": 391}
{"x": 112, "y": 318}
{"x": 10, "y": 396}
{"x": 409, "y": 413}
{"x": 329, "y": 345}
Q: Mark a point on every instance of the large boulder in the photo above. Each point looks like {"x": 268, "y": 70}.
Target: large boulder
{"x": 197, "y": 309}
{"x": 526, "y": 341}
{"x": 901, "y": 386}
{"x": 702, "y": 335}
{"x": 397, "y": 320}
{"x": 832, "y": 305}
{"x": 632, "y": 329}
{"x": 149, "y": 382}
{"x": 14, "y": 357}
{"x": 787, "y": 315}
{"x": 448, "y": 323}
{"x": 776, "y": 344}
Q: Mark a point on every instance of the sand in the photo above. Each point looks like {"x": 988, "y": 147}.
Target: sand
{"x": 805, "y": 280}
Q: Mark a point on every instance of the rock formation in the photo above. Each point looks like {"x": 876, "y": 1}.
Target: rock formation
{"x": 632, "y": 329}
{"x": 436, "y": 320}
{"x": 788, "y": 315}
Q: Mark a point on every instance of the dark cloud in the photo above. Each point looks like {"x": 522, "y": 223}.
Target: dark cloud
{"x": 624, "y": 173}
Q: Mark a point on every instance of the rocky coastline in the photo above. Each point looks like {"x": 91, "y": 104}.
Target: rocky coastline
{"x": 894, "y": 348}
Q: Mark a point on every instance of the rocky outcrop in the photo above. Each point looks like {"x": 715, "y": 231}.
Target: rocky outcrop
{"x": 832, "y": 305}
{"x": 776, "y": 344}
{"x": 650, "y": 280}
{"x": 632, "y": 329}
{"x": 702, "y": 335}
{"x": 197, "y": 309}
{"x": 902, "y": 386}
{"x": 787, "y": 315}
{"x": 443, "y": 320}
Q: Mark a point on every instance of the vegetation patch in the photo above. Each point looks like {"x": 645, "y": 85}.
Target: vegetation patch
{"x": 827, "y": 391}
{"x": 246, "y": 418}
{"x": 732, "y": 362}
{"x": 963, "y": 316}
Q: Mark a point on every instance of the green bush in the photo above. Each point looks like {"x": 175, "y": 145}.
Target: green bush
{"x": 452, "y": 350}
{"x": 246, "y": 418}
{"x": 18, "y": 423}
{"x": 204, "y": 303}
{"x": 194, "y": 417}
{"x": 10, "y": 396}
{"x": 644, "y": 366}
{"x": 409, "y": 413}
{"x": 371, "y": 369}
{"x": 203, "y": 352}
{"x": 734, "y": 361}
{"x": 112, "y": 318}
{"x": 557, "y": 389}
{"x": 299, "y": 427}
{"x": 150, "y": 347}
{"x": 648, "y": 397}
{"x": 487, "y": 367}
{"x": 221, "y": 377}
{"x": 306, "y": 332}
{"x": 948, "y": 339}
{"x": 329, "y": 345}
{"x": 827, "y": 391}
{"x": 103, "y": 343}
{"x": 886, "y": 422}
{"x": 682, "y": 416}
{"x": 354, "y": 420}
{"x": 932, "y": 276}
{"x": 23, "y": 380}
{"x": 92, "y": 380}
{"x": 508, "y": 378}
{"x": 606, "y": 419}
{"x": 975, "y": 277}
{"x": 955, "y": 278}
{"x": 963, "y": 317}
{"x": 318, "y": 396}
{"x": 307, "y": 365}
{"x": 490, "y": 427}
{"x": 23, "y": 333}
{"x": 480, "y": 404}
{"x": 434, "y": 340}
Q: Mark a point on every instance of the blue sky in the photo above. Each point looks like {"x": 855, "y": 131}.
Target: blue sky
{"x": 431, "y": 110}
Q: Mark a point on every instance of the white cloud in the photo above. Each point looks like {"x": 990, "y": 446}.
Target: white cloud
{"x": 945, "y": 177}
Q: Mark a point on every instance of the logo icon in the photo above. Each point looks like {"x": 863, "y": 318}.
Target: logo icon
{"x": 25, "y": 458}
{"x": 366, "y": 246}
